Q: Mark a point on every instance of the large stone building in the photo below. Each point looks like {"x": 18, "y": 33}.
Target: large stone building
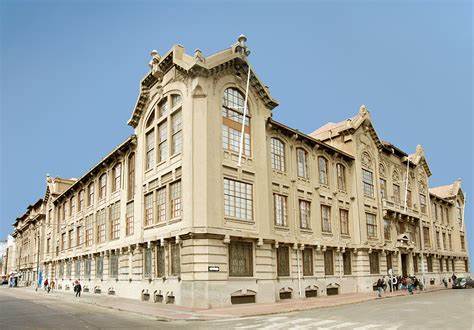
{"x": 168, "y": 216}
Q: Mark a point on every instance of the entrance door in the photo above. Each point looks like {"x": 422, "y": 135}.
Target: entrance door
{"x": 404, "y": 264}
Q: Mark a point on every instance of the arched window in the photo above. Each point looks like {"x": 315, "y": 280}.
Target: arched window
{"x": 131, "y": 176}
{"x": 341, "y": 176}
{"x": 278, "y": 155}
{"x": 302, "y": 166}
{"x": 232, "y": 115}
{"x": 323, "y": 170}
{"x": 102, "y": 186}
{"x": 150, "y": 120}
{"x": 117, "y": 177}
{"x": 90, "y": 194}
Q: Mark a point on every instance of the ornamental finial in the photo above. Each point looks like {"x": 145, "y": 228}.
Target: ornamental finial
{"x": 241, "y": 47}
{"x": 155, "y": 59}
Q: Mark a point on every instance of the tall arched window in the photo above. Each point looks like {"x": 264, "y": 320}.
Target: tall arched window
{"x": 131, "y": 176}
{"x": 341, "y": 177}
{"x": 323, "y": 170}
{"x": 301, "y": 157}
{"x": 278, "y": 155}
{"x": 232, "y": 115}
{"x": 117, "y": 177}
{"x": 102, "y": 186}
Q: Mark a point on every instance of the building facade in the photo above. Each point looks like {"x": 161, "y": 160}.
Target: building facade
{"x": 169, "y": 217}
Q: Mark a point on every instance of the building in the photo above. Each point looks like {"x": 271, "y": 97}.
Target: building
{"x": 169, "y": 217}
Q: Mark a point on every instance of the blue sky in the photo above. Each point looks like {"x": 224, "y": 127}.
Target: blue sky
{"x": 70, "y": 74}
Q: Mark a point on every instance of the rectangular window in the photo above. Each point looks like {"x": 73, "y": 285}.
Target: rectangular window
{"x": 129, "y": 222}
{"x": 163, "y": 108}
{"x": 89, "y": 230}
{"x": 450, "y": 242}
{"x": 48, "y": 245}
{"x": 77, "y": 268}
{"x": 447, "y": 265}
{"x": 280, "y": 209}
{"x": 344, "y": 221}
{"x": 341, "y": 177}
{"x": 374, "y": 263}
{"x": 445, "y": 246}
{"x": 131, "y": 176}
{"x": 408, "y": 197}
{"x": 302, "y": 168}
{"x": 61, "y": 270}
{"x": 440, "y": 265}
{"x": 163, "y": 141}
{"x": 147, "y": 271}
{"x": 161, "y": 204}
{"x": 325, "y": 219}
{"x": 346, "y": 259}
{"x": 72, "y": 205}
{"x": 231, "y": 139}
{"x": 87, "y": 268}
{"x": 426, "y": 237}
{"x": 371, "y": 225}
{"x": 463, "y": 243}
{"x": 438, "y": 240}
{"x": 238, "y": 200}
{"x": 70, "y": 238}
{"x": 241, "y": 259}
{"x": 368, "y": 183}
{"x": 150, "y": 149}
{"x": 305, "y": 214}
{"x": 323, "y": 171}
{"x": 422, "y": 203}
{"x": 308, "y": 262}
{"x": 69, "y": 266}
{"x": 79, "y": 236}
{"x": 175, "y": 196}
{"x": 388, "y": 258}
{"x": 113, "y": 266}
{"x": 328, "y": 263}
{"x": 386, "y": 229}
{"x": 429, "y": 262}
{"x": 415, "y": 264}
{"x": 115, "y": 220}
{"x": 149, "y": 209}
{"x": 175, "y": 260}
{"x": 176, "y": 131}
{"x": 396, "y": 193}
{"x": 100, "y": 217}
{"x": 383, "y": 188}
{"x": 160, "y": 261}
{"x": 283, "y": 261}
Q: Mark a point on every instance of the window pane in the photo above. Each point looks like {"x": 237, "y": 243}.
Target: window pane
{"x": 240, "y": 259}
{"x": 238, "y": 200}
{"x": 278, "y": 155}
{"x": 283, "y": 261}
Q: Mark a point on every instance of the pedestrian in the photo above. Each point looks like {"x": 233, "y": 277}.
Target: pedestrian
{"x": 410, "y": 285}
{"x": 453, "y": 278}
{"x": 52, "y": 285}
{"x": 445, "y": 282}
{"x": 46, "y": 285}
{"x": 379, "y": 286}
{"x": 78, "y": 289}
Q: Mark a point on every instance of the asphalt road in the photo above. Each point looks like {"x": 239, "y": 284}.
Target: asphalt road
{"x": 450, "y": 309}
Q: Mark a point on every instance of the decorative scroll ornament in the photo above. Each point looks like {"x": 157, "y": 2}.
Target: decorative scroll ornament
{"x": 155, "y": 60}
{"x": 240, "y": 47}
{"x": 366, "y": 160}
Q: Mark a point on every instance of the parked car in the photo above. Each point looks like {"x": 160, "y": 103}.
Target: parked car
{"x": 463, "y": 283}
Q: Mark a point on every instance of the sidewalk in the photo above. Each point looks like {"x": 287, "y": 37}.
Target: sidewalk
{"x": 172, "y": 312}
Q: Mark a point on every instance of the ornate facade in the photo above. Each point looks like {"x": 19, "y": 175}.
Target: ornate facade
{"x": 169, "y": 217}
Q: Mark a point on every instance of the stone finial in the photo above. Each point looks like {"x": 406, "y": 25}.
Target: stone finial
{"x": 241, "y": 46}
{"x": 198, "y": 55}
{"x": 155, "y": 59}
{"x": 419, "y": 149}
{"x": 363, "y": 109}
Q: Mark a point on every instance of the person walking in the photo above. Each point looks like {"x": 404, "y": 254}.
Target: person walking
{"x": 52, "y": 285}
{"x": 379, "y": 286}
{"x": 78, "y": 289}
{"x": 445, "y": 282}
{"x": 46, "y": 285}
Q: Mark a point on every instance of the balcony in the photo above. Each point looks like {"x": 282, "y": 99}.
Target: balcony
{"x": 398, "y": 211}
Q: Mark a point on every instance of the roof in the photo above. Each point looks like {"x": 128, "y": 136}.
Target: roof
{"x": 310, "y": 138}
{"x": 96, "y": 167}
{"x": 234, "y": 57}
{"x": 447, "y": 191}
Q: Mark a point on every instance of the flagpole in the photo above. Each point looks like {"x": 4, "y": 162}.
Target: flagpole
{"x": 241, "y": 147}
{"x": 406, "y": 184}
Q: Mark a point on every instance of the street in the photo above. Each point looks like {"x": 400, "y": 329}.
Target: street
{"x": 449, "y": 309}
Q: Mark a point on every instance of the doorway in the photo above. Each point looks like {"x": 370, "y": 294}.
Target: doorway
{"x": 404, "y": 264}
